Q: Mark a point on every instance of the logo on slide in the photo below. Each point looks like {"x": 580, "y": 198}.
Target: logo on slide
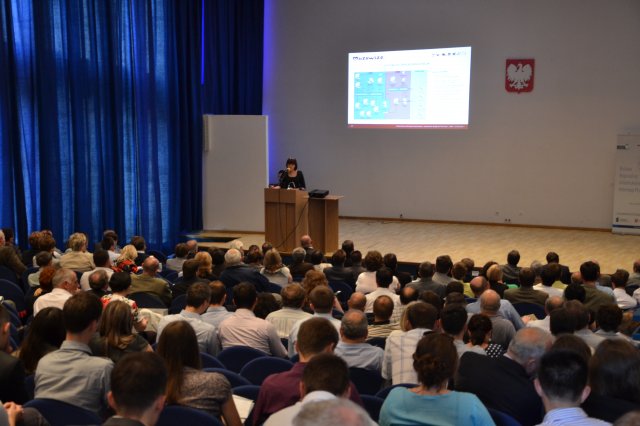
{"x": 519, "y": 75}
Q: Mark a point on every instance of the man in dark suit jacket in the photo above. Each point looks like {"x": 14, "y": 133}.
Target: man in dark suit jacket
{"x": 565, "y": 274}
{"x": 11, "y": 368}
{"x": 237, "y": 272}
{"x": 337, "y": 271}
{"x": 506, "y": 383}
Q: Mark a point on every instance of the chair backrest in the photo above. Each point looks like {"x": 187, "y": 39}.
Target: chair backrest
{"x": 372, "y": 404}
{"x": 502, "y": 419}
{"x": 260, "y": 368}
{"x": 173, "y": 415}
{"x": 234, "y": 378}
{"x": 169, "y": 274}
{"x": 60, "y": 413}
{"x": 162, "y": 258}
{"x": 147, "y": 300}
{"x": 631, "y": 288}
{"x": 368, "y": 382}
{"x": 272, "y": 288}
{"x": 236, "y": 357}
{"x": 247, "y": 391}
{"x": 344, "y": 289}
{"x": 530, "y": 308}
{"x": 384, "y": 392}
{"x": 209, "y": 361}
{"x": 178, "y": 304}
{"x": 12, "y": 292}
{"x": 380, "y": 342}
{"x": 30, "y": 385}
{"x": 25, "y": 278}
{"x": 8, "y": 274}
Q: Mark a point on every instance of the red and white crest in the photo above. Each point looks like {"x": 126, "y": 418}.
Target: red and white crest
{"x": 519, "y": 75}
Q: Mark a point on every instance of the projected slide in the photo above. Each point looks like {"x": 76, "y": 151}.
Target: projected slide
{"x": 410, "y": 89}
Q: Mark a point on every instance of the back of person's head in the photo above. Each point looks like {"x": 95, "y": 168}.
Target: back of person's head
{"x": 454, "y": 287}
{"x": 46, "y": 278}
{"x": 139, "y": 243}
{"x": 337, "y": 411}
{"x": 326, "y": 372}
{"x": 422, "y": 315}
{"x": 615, "y": 370}
{"x": 266, "y": 246}
{"x": 528, "y": 345}
{"x": 426, "y": 270}
{"x": 110, "y": 233}
{"x": 120, "y": 281}
{"x": 373, "y": 261}
{"x": 79, "y": 311}
{"x": 620, "y": 278}
{"x": 100, "y": 258}
{"x": 98, "y": 280}
{"x": 77, "y": 241}
{"x": 485, "y": 268}
{"x": 44, "y": 258}
{"x": 526, "y": 277}
{"x": 354, "y": 325}
{"x": 571, "y": 342}
{"x": 232, "y": 257}
{"x": 218, "y": 292}
{"x": 34, "y": 240}
{"x": 356, "y": 257}
{"x": 478, "y": 285}
{"x": 390, "y": 260}
{"x": 338, "y": 258}
{"x": 479, "y": 326}
{"x": 455, "y": 298}
{"x": 459, "y": 271}
{"x": 316, "y": 257}
{"x": 579, "y": 312}
{"x": 432, "y": 299}
{"x": 190, "y": 269}
{"x": 298, "y": 254}
{"x": 138, "y": 383}
{"x": 561, "y": 321}
{"x": 255, "y": 257}
{"x": 45, "y": 333}
{"x": 435, "y": 360}
{"x": 265, "y": 304}
{"x": 181, "y": 250}
{"x": 513, "y": 257}
{"x": 198, "y": 294}
{"x": 178, "y": 347}
{"x": 313, "y": 279}
{"x": 62, "y": 276}
{"x": 116, "y": 324}
{"x": 321, "y": 298}
{"x": 490, "y": 302}
{"x": 217, "y": 256}
{"x": 552, "y": 303}
{"x": 550, "y": 274}
{"x": 315, "y": 335}
{"x": 536, "y": 266}
{"x": 609, "y": 317}
{"x": 383, "y": 307}
{"x": 384, "y": 277}
{"x": 552, "y": 257}
{"x": 293, "y": 296}
{"x": 575, "y": 292}
{"x": 562, "y": 375}
{"x": 244, "y": 295}
{"x": 408, "y": 295}
{"x": 444, "y": 264}
{"x": 151, "y": 265}
{"x": 469, "y": 263}
{"x": 357, "y": 301}
{"x": 590, "y": 271}
{"x": 494, "y": 273}
{"x": 347, "y": 246}
{"x": 453, "y": 318}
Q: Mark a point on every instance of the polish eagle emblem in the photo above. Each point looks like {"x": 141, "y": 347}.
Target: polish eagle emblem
{"x": 519, "y": 76}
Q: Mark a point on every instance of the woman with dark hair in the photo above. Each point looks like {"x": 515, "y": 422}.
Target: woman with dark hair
{"x": 291, "y": 177}
{"x": 188, "y": 385}
{"x": 366, "y": 282}
{"x": 45, "y": 334}
{"x": 217, "y": 258}
{"x": 435, "y": 361}
{"x": 274, "y": 270}
{"x": 480, "y": 329}
{"x": 116, "y": 338}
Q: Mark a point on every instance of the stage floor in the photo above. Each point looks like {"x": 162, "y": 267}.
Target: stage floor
{"x": 419, "y": 241}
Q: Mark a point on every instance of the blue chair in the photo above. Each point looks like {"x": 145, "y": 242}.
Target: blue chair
{"x": 344, "y": 289}
{"x": 147, "y": 300}
{"x": 530, "y": 308}
{"x": 368, "y": 382}
{"x": 169, "y": 275}
{"x": 178, "y": 304}
{"x": 30, "y": 385}
{"x": 60, "y": 413}
{"x": 631, "y": 288}
{"x": 25, "y": 278}
{"x": 236, "y": 357}
{"x": 380, "y": 342}
{"x": 384, "y": 392}
{"x": 173, "y": 415}
{"x": 158, "y": 255}
{"x": 502, "y": 419}
{"x": 247, "y": 391}
{"x": 209, "y": 361}
{"x": 260, "y": 368}
{"x": 234, "y": 378}
{"x": 372, "y": 404}
{"x": 272, "y": 288}
{"x": 12, "y": 292}
{"x": 9, "y": 275}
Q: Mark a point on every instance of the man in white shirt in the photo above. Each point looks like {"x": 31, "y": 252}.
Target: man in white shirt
{"x": 550, "y": 275}
{"x": 325, "y": 376}
{"x": 353, "y": 347}
{"x": 551, "y": 304}
{"x": 243, "y": 328}
{"x": 198, "y": 296}
{"x": 619, "y": 280}
{"x": 384, "y": 278}
{"x": 293, "y": 298}
{"x": 397, "y": 365}
{"x": 216, "y": 312}
{"x": 102, "y": 262}
{"x": 65, "y": 285}
{"x": 366, "y": 282}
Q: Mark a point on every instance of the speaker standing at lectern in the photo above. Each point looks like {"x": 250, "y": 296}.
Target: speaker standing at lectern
{"x": 291, "y": 177}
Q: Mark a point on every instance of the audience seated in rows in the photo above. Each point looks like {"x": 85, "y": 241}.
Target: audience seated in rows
{"x": 479, "y": 285}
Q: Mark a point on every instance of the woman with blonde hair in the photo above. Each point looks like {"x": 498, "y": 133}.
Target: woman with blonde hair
{"x": 116, "y": 337}
{"x": 495, "y": 276}
{"x": 205, "y": 270}
{"x": 126, "y": 260}
{"x": 274, "y": 270}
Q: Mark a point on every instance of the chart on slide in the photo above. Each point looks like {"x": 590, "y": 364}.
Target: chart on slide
{"x": 388, "y": 95}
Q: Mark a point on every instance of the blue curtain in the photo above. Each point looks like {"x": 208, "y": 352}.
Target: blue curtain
{"x": 101, "y": 107}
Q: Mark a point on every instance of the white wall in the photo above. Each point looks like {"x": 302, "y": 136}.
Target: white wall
{"x": 542, "y": 158}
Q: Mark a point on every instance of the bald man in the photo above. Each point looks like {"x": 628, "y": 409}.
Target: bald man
{"x": 479, "y": 285}
{"x": 352, "y": 346}
{"x": 503, "y": 331}
{"x": 150, "y": 282}
{"x": 357, "y": 301}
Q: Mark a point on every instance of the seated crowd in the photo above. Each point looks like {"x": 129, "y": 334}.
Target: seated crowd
{"x": 465, "y": 346}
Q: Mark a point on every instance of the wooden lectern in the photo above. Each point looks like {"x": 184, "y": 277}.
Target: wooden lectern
{"x": 323, "y": 222}
{"x": 285, "y": 217}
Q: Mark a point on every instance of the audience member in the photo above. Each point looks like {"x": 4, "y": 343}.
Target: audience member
{"x": 217, "y": 257}
{"x": 205, "y": 266}
{"x": 357, "y": 301}
{"x": 65, "y": 285}
{"x": 565, "y": 274}
{"x": 352, "y": 346}
{"x": 265, "y": 304}
{"x": 480, "y": 331}
{"x": 552, "y": 303}
{"x": 580, "y": 315}
{"x": 407, "y": 295}
{"x": 78, "y": 259}
{"x": 216, "y": 312}
{"x": 189, "y": 277}
{"x": 120, "y": 283}
{"x": 425, "y": 281}
{"x": 442, "y": 274}
{"x": 321, "y": 300}
{"x": 337, "y": 411}
{"x": 383, "y": 309}
{"x": 12, "y": 371}
{"x": 299, "y": 267}
{"x": 384, "y": 278}
{"x": 70, "y": 374}
{"x": 503, "y": 330}
{"x": 505, "y": 383}
{"x": 137, "y": 392}
{"x": 140, "y": 245}
{"x": 526, "y": 293}
{"x": 293, "y": 298}
{"x": 307, "y": 244}
{"x": 99, "y": 284}
{"x": 45, "y": 334}
{"x": 594, "y": 296}
{"x": 236, "y": 271}
{"x": 494, "y": 276}
{"x": 126, "y": 260}
{"x": 356, "y": 265}
{"x": 317, "y": 260}
{"x": 43, "y": 259}
{"x": 511, "y": 270}
{"x": 274, "y": 270}
{"x": 453, "y": 320}
{"x": 390, "y": 260}
{"x": 11, "y": 260}
{"x": 479, "y": 285}
{"x": 619, "y": 281}
{"x": 243, "y": 328}
{"x": 348, "y": 247}
{"x": 366, "y": 282}
{"x": 549, "y": 276}
{"x": 150, "y": 282}
{"x": 337, "y": 271}
{"x": 181, "y": 252}
{"x": 102, "y": 263}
